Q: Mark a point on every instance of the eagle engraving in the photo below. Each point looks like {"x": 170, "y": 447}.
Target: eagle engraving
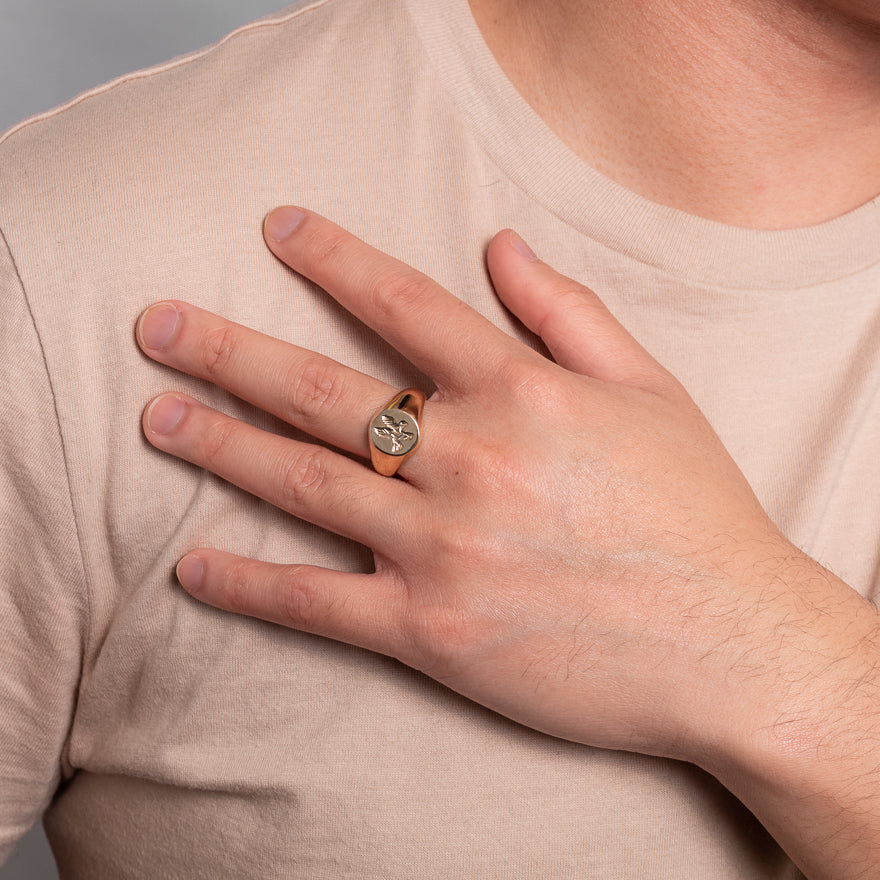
{"x": 394, "y": 433}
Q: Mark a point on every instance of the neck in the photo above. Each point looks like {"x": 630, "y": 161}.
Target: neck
{"x": 760, "y": 113}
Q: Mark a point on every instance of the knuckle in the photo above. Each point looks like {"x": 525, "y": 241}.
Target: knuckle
{"x": 305, "y": 602}
{"x": 441, "y": 633}
{"x": 502, "y": 474}
{"x": 298, "y": 599}
{"x": 517, "y": 377}
{"x": 530, "y": 384}
{"x": 217, "y": 439}
{"x": 313, "y": 389}
{"x": 235, "y": 588}
{"x": 303, "y": 477}
{"x": 442, "y": 640}
{"x": 567, "y": 302}
{"x": 216, "y": 350}
{"x": 569, "y": 294}
{"x": 398, "y": 290}
{"x": 326, "y": 246}
{"x": 460, "y": 545}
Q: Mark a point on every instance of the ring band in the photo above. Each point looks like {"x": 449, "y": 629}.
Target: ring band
{"x": 395, "y": 432}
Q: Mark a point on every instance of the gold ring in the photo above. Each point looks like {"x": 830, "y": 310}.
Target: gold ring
{"x": 395, "y": 432}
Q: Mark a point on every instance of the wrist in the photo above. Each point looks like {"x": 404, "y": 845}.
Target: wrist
{"x": 798, "y": 724}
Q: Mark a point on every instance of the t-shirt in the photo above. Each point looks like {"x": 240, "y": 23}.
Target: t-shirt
{"x": 164, "y": 738}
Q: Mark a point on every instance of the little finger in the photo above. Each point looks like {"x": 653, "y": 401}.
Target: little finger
{"x": 360, "y": 609}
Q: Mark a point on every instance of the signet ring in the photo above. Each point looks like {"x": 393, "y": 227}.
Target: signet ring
{"x": 395, "y": 432}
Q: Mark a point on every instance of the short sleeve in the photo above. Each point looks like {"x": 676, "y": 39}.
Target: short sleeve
{"x": 43, "y": 604}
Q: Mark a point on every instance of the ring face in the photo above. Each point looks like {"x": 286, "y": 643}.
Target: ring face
{"x": 394, "y": 431}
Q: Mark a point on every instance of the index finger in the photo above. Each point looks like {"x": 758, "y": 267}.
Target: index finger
{"x": 441, "y": 335}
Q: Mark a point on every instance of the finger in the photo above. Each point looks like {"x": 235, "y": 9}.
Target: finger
{"x": 582, "y": 335}
{"x": 436, "y": 331}
{"x": 355, "y": 608}
{"x": 305, "y": 389}
{"x": 309, "y": 481}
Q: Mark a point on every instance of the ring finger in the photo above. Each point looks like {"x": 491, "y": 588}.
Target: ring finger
{"x": 311, "y": 482}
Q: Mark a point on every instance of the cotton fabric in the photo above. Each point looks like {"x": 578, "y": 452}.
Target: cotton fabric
{"x": 164, "y": 738}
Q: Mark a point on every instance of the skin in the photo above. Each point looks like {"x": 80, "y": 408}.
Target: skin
{"x": 745, "y": 656}
{"x": 758, "y": 113}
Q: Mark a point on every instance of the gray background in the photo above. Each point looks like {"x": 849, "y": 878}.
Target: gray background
{"x": 51, "y": 50}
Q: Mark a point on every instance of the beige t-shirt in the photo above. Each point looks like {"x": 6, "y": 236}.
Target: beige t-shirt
{"x": 167, "y": 739}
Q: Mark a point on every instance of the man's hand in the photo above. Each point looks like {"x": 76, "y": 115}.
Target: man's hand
{"x": 571, "y": 545}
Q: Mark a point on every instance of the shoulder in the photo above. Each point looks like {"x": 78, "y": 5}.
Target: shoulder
{"x": 159, "y": 180}
{"x": 225, "y": 130}
{"x": 301, "y": 22}
{"x": 253, "y": 69}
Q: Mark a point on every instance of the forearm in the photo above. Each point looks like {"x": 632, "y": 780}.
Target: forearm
{"x": 807, "y": 761}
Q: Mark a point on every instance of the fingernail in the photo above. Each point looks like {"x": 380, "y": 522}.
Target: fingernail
{"x": 282, "y": 223}
{"x": 191, "y": 572}
{"x": 158, "y": 325}
{"x": 165, "y": 413}
{"x": 522, "y": 248}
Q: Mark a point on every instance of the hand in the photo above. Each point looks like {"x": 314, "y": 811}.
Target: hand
{"x": 571, "y": 545}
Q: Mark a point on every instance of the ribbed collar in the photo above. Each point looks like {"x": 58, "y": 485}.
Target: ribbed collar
{"x": 688, "y": 247}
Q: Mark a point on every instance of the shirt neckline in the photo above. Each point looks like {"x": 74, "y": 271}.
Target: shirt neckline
{"x": 680, "y": 244}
